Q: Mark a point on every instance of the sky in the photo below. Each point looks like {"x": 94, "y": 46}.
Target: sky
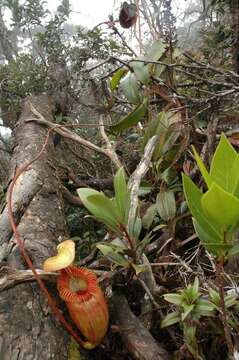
{"x": 88, "y": 12}
{"x": 91, "y": 12}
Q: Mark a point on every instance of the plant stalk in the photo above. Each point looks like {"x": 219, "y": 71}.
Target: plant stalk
{"x": 223, "y": 315}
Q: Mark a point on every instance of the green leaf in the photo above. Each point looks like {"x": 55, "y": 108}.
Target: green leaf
{"x": 214, "y": 297}
{"x": 213, "y": 243}
{"x": 129, "y": 87}
{"x": 207, "y": 228}
{"x": 194, "y": 289}
{"x": 187, "y": 310}
{"x": 157, "y": 70}
{"x": 159, "y": 227}
{"x": 155, "y": 51}
{"x": 149, "y": 216}
{"x": 204, "y": 308}
{"x": 141, "y": 71}
{"x": 222, "y": 170}
{"x": 100, "y": 206}
{"x": 117, "y": 77}
{"x": 130, "y": 119}
{"x": 137, "y": 228}
{"x": 230, "y": 300}
{"x": 202, "y": 168}
{"x": 233, "y": 251}
{"x": 121, "y": 193}
{"x": 162, "y": 126}
{"x": 235, "y": 175}
{"x": 140, "y": 268}
{"x": 173, "y": 298}
{"x": 166, "y": 205}
{"x": 220, "y": 207}
{"x": 113, "y": 255}
{"x": 171, "y": 319}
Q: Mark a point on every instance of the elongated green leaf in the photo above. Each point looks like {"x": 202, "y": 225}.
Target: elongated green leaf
{"x": 157, "y": 70}
{"x": 163, "y": 126}
{"x": 195, "y": 289}
{"x": 193, "y": 197}
{"x": 166, "y": 205}
{"x": 130, "y": 119}
{"x": 230, "y": 300}
{"x": 141, "y": 71}
{"x": 235, "y": 175}
{"x": 129, "y": 87}
{"x": 204, "y": 308}
{"x": 117, "y": 77}
{"x": 214, "y": 297}
{"x": 187, "y": 310}
{"x": 136, "y": 229}
{"x": 112, "y": 255}
{"x": 121, "y": 192}
{"x": 140, "y": 268}
{"x": 171, "y": 319}
{"x": 222, "y": 165}
{"x": 100, "y": 206}
{"x": 220, "y": 207}
{"x": 233, "y": 251}
{"x": 173, "y": 298}
{"x": 214, "y": 244}
{"x": 202, "y": 168}
{"x": 149, "y": 216}
{"x": 156, "y": 50}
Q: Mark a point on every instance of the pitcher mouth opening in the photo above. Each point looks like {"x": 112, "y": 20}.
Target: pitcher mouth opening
{"x": 76, "y": 284}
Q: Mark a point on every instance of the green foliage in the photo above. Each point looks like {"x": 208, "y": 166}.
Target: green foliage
{"x": 121, "y": 195}
{"x": 114, "y": 82}
{"x": 166, "y": 205}
{"x": 51, "y": 41}
{"x": 129, "y": 87}
{"x": 30, "y": 13}
{"x": 101, "y": 207}
{"x": 163, "y": 126}
{"x": 216, "y": 213}
{"x": 130, "y": 119}
{"x": 191, "y": 306}
{"x": 64, "y": 8}
{"x": 93, "y": 44}
{"x": 112, "y": 212}
{"x": 115, "y": 252}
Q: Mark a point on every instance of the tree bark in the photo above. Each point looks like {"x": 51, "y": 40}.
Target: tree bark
{"x": 137, "y": 339}
{"x": 27, "y": 329}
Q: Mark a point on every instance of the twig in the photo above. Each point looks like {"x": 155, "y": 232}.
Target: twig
{"x": 183, "y": 263}
{"x": 123, "y": 41}
{"x": 148, "y": 292}
{"x": 63, "y": 131}
{"x": 184, "y": 242}
{"x": 11, "y": 277}
{"x": 89, "y": 258}
{"x": 109, "y": 147}
{"x": 70, "y": 198}
{"x": 136, "y": 177}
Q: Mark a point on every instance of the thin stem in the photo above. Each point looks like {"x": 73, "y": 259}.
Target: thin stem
{"x": 130, "y": 242}
{"x": 220, "y": 283}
